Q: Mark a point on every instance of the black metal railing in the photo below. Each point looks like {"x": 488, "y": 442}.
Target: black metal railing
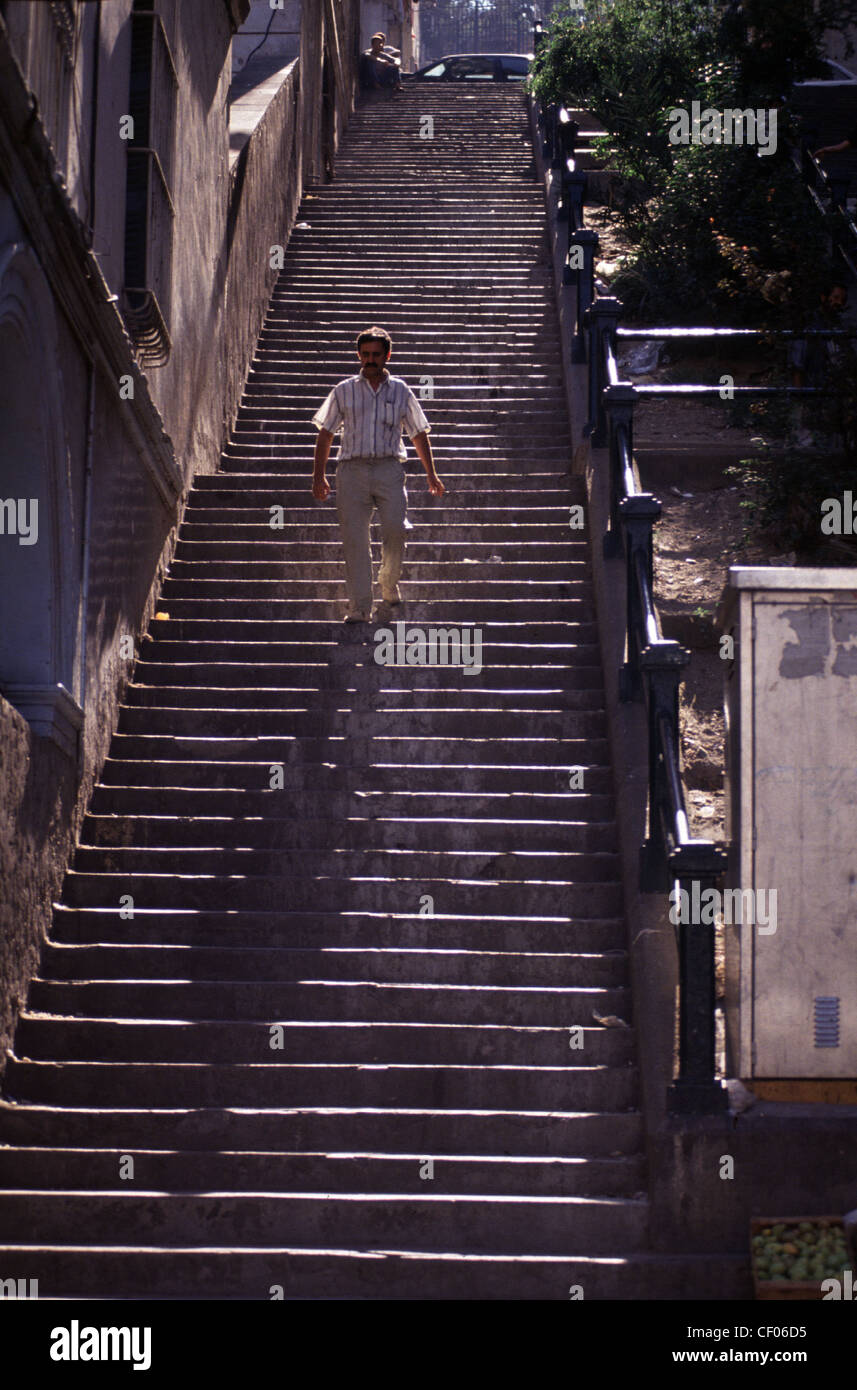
{"x": 652, "y": 671}
{"x": 828, "y": 190}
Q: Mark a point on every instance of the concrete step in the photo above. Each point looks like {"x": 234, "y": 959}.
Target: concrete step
{"x": 339, "y": 1000}
{"x": 507, "y": 969}
{"x": 495, "y": 1224}
{"x": 509, "y": 866}
{"x": 398, "y": 1273}
{"x": 438, "y": 833}
{"x": 246, "y": 491}
{"x": 209, "y": 599}
{"x": 167, "y": 1084}
{"x": 382, "y": 682}
{"x": 473, "y": 1174}
{"x": 200, "y": 722}
{"x": 364, "y": 750}
{"x": 360, "y": 697}
{"x": 568, "y": 581}
{"x": 316, "y": 638}
{"x": 313, "y": 930}
{"x": 100, "y": 1040}
{"x": 544, "y": 535}
{"x": 520, "y": 809}
{"x": 352, "y": 648}
{"x": 432, "y": 1131}
{"x": 246, "y": 777}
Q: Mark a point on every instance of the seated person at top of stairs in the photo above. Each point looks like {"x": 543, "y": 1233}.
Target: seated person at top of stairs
{"x": 377, "y": 68}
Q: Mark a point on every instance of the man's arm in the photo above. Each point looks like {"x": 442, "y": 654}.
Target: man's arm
{"x": 833, "y": 149}
{"x": 320, "y": 485}
{"x": 422, "y": 444}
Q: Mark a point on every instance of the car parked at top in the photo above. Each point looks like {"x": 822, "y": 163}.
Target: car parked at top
{"x": 475, "y": 67}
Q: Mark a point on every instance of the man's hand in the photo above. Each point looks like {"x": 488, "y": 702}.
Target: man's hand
{"x": 320, "y": 485}
{"x": 423, "y": 448}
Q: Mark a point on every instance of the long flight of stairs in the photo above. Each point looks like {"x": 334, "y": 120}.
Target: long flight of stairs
{"x": 334, "y": 1049}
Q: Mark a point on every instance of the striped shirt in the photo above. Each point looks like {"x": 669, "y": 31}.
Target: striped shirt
{"x": 371, "y": 421}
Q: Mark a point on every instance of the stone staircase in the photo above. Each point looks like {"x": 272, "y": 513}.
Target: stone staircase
{"x": 284, "y": 811}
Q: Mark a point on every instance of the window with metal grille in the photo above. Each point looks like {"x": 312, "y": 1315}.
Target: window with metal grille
{"x": 149, "y": 209}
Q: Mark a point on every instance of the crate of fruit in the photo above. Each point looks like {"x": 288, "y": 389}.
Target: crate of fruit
{"x": 793, "y": 1255}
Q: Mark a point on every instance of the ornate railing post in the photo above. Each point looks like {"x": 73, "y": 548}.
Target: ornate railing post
{"x": 601, "y": 319}
{"x": 662, "y": 665}
{"x": 549, "y": 110}
{"x": 638, "y": 515}
{"x": 566, "y": 143}
{"x": 560, "y": 137}
{"x": 697, "y": 866}
{"x": 571, "y": 210}
{"x": 617, "y": 409}
{"x": 582, "y": 248}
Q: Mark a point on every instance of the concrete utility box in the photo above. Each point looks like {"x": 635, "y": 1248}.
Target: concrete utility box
{"x": 791, "y": 818}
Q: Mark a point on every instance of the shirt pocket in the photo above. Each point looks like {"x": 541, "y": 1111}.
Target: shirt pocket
{"x": 391, "y": 416}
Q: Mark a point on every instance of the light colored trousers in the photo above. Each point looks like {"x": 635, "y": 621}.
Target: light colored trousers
{"x": 361, "y": 486}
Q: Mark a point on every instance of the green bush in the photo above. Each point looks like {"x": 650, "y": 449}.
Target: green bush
{"x": 625, "y": 64}
{"x": 785, "y": 484}
{"x": 722, "y": 232}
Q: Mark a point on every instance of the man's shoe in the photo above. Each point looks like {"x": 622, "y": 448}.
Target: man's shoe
{"x": 357, "y": 615}
{"x": 392, "y": 598}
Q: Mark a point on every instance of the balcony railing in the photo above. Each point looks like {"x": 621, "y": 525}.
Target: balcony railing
{"x": 148, "y": 257}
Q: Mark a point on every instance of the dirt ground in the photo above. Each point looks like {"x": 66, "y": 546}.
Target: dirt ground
{"x": 696, "y": 541}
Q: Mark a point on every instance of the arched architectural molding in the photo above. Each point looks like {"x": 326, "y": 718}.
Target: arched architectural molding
{"x": 39, "y": 569}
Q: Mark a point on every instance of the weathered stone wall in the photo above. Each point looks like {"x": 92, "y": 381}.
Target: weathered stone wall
{"x": 121, "y": 480}
{"x": 264, "y": 194}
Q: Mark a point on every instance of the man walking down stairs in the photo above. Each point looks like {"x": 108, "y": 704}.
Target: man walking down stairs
{"x": 318, "y": 1011}
{"x": 371, "y": 408}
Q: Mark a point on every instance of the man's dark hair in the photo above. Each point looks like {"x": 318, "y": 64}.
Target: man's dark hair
{"x": 376, "y": 335}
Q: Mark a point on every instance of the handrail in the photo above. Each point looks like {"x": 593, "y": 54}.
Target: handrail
{"x": 653, "y": 666}
{"x": 822, "y": 184}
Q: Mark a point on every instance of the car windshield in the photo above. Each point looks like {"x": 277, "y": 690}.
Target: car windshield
{"x": 472, "y": 67}
{"x": 479, "y": 68}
